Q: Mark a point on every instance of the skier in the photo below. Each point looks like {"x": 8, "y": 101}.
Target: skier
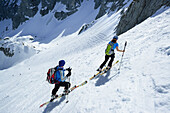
{"x": 109, "y": 53}
{"x": 60, "y": 79}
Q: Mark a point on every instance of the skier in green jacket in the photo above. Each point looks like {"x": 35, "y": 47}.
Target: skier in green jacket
{"x": 109, "y": 53}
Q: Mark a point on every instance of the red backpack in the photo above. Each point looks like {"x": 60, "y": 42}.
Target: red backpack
{"x": 51, "y": 76}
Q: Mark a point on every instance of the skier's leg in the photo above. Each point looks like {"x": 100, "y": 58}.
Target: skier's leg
{"x": 106, "y": 59}
{"x": 66, "y": 86}
{"x": 111, "y": 60}
{"x": 57, "y": 86}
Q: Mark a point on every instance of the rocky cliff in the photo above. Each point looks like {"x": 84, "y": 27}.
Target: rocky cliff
{"x": 21, "y": 10}
{"x": 137, "y": 12}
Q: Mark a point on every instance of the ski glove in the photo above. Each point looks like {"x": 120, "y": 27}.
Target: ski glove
{"x": 69, "y": 74}
{"x": 69, "y": 69}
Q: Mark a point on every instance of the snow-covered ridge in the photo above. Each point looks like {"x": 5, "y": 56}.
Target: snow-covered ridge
{"x": 17, "y": 48}
{"x": 22, "y": 11}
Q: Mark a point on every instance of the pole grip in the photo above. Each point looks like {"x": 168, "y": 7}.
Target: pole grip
{"x": 125, "y": 45}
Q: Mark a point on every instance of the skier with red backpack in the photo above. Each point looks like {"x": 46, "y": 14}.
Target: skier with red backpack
{"x": 57, "y": 76}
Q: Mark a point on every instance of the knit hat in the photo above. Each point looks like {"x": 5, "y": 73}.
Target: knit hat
{"x": 61, "y": 63}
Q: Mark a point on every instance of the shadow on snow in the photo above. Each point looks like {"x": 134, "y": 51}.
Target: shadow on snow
{"x": 52, "y": 105}
{"x": 103, "y": 79}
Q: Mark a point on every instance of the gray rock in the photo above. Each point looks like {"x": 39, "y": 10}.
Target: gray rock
{"x": 71, "y": 7}
{"x": 26, "y": 9}
{"x": 62, "y": 15}
{"x": 21, "y": 10}
{"x": 102, "y": 11}
{"x": 104, "y": 8}
{"x": 7, "y": 9}
{"x": 7, "y": 52}
{"x": 47, "y": 5}
{"x": 138, "y": 11}
{"x": 71, "y": 4}
{"x": 86, "y": 26}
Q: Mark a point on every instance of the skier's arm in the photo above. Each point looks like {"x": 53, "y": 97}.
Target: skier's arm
{"x": 119, "y": 49}
{"x": 65, "y": 77}
{"x": 69, "y": 74}
{"x": 62, "y": 79}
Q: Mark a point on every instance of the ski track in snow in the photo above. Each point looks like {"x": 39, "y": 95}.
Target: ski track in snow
{"x": 142, "y": 86}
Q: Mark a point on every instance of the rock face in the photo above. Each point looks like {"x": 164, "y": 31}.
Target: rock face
{"x": 47, "y": 5}
{"x": 8, "y": 9}
{"x": 86, "y": 26}
{"x": 21, "y": 10}
{"x": 138, "y": 11}
{"x": 26, "y": 9}
{"x": 105, "y": 8}
{"x": 7, "y": 52}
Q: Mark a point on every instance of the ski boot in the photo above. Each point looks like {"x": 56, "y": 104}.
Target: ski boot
{"x": 66, "y": 91}
{"x": 53, "y": 97}
{"x": 99, "y": 69}
{"x": 107, "y": 68}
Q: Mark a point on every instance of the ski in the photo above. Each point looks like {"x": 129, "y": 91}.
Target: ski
{"x": 97, "y": 73}
{"x": 107, "y": 69}
{"x": 104, "y": 70}
{"x": 61, "y": 95}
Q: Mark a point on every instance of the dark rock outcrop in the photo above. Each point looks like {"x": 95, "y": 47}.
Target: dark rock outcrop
{"x": 21, "y": 10}
{"x": 104, "y": 8}
{"x": 71, "y": 7}
{"x": 138, "y": 11}
{"x": 7, "y": 9}
{"x": 7, "y": 52}
{"x": 71, "y": 4}
{"x": 47, "y": 5}
{"x": 62, "y": 15}
{"x": 85, "y": 27}
{"x": 102, "y": 11}
{"x": 26, "y": 9}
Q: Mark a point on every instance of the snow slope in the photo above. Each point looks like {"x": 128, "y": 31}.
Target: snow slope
{"x": 42, "y": 30}
{"x": 142, "y": 86}
{"x": 47, "y": 28}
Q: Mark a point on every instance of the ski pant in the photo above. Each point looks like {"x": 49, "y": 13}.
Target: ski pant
{"x": 112, "y": 56}
{"x": 57, "y": 86}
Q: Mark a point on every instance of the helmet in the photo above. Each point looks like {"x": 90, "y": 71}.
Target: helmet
{"x": 115, "y": 37}
{"x": 61, "y": 63}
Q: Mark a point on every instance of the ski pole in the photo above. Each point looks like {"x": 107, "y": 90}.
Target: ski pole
{"x": 122, "y": 55}
{"x": 68, "y": 86}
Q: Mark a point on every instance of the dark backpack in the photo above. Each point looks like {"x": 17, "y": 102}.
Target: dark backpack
{"x": 51, "y": 76}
